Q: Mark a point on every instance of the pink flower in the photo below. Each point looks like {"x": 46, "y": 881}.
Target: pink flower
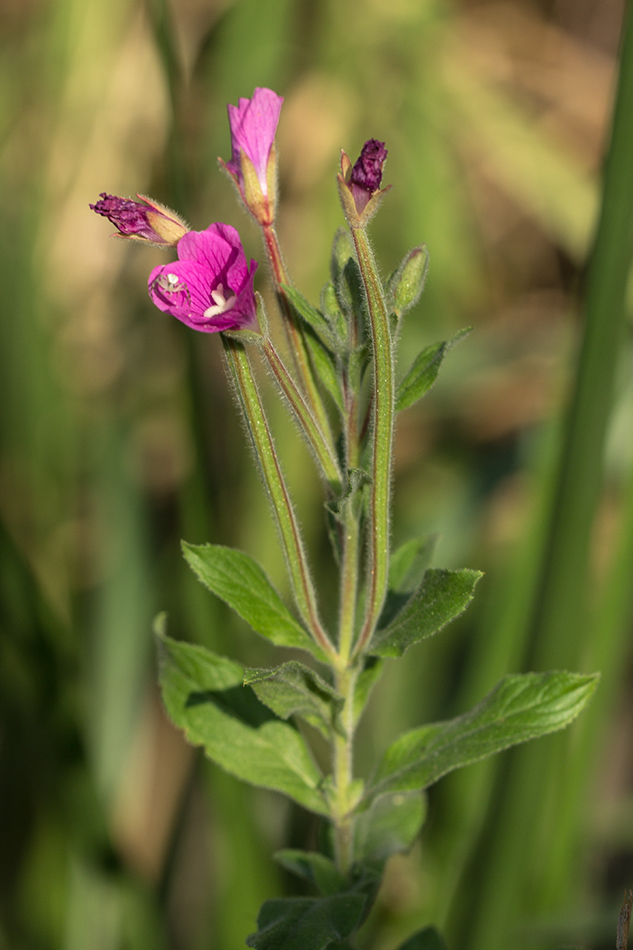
{"x": 210, "y": 287}
{"x": 253, "y": 164}
{"x": 145, "y": 220}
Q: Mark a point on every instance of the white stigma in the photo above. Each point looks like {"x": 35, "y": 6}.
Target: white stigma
{"x": 222, "y": 303}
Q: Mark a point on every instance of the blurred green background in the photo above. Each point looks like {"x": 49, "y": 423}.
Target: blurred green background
{"x": 118, "y": 437}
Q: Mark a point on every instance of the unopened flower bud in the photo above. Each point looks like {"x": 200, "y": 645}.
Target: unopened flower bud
{"x": 145, "y": 220}
{"x": 359, "y": 186}
{"x": 253, "y": 162}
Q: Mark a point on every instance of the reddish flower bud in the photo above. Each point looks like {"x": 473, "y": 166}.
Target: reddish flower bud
{"x": 145, "y": 220}
{"x": 359, "y": 186}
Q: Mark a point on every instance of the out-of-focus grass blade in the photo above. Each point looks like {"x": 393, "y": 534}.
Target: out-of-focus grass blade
{"x": 531, "y": 845}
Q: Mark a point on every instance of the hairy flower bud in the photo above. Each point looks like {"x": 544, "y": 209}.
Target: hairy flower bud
{"x": 359, "y": 186}
{"x": 145, "y": 220}
{"x": 253, "y": 162}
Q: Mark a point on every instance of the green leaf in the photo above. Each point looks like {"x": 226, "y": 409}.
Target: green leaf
{"x": 342, "y": 251}
{"x": 367, "y": 679}
{"x": 313, "y": 867}
{"x": 441, "y": 597}
{"x": 204, "y": 697}
{"x": 406, "y": 571}
{"x": 332, "y": 310}
{"x": 407, "y": 283}
{"x": 428, "y": 939}
{"x": 307, "y": 923}
{"x": 313, "y": 923}
{"x": 238, "y": 580}
{"x": 521, "y": 707}
{"x": 295, "y": 690}
{"x": 314, "y": 319}
{"x": 424, "y": 370}
{"x": 389, "y": 826}
{"x": 409, "y": 562}
{"x": 326, "y": 368}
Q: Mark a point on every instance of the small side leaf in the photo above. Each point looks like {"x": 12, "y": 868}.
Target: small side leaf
{"x": 295, "y": 690}
{"x": 424, "y": 370}
{"x": 317, "y": 322}
{"x": 407, "y": 283}
{"x": 326, "y": 369}
{"x": 313, "y": 923}
{"x": 520, "y": 707}
{"x": 441, "y": 597}
{"x": 428, "y": 939}
{"x": 406, "y": 571}
{"x": 332, "y": 310}
{"x": 313, "y": 867}
{"x": 204, "y": 696}
{"x": 409, "y": 562}
{"x": 389, "y": 826}
{"x": 367, "y": 679}
{"x": 240, "y": 582}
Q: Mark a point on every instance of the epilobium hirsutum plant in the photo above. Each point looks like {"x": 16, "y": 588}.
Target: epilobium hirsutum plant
{"x": 342, "y": 389}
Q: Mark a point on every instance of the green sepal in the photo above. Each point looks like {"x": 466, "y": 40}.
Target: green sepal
{"x": 204, "y": 696}
{"x": 521, "y": 707}
{"x": 313, "y": 867}
{"x": 389, "y": 826}
{"x": 441, "y": 597}
{"x": 315, "y": 923}
{"x": 406, "y": 284}
{"x": 240, "y": 582}
{"x": 293, "y": 689}
{"x": 424, "y": 371}
{"x": 428, "y": 939}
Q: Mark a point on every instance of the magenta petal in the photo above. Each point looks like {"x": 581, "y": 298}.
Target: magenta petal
{"x": 211, "y": 287}
{"x": 253, "y": 125}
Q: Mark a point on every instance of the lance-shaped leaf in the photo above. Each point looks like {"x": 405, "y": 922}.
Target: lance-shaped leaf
{"x": 317, "y": 321}
{"x": 367, "y": 679}
{"x": 409, "y": 562}
{"x": 293, "y": 689}
{"x": 441, "y": 597}
{"x": 313, "y": 923}
{"x": 407, "y": 283}
{"x": 389, "y": 826}
{"x": 238, "y": 580}
{"x": 406, "y": 571}
{"x": 424, "y": 370}
{"x": 204, "y": 696}
{"x": 519, "y": 708}
{"x": 314, "y": 867}
{"x": 326, "y": 368}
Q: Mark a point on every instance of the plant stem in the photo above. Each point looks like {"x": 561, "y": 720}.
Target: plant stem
{"x": 294, "y": 333}
{"x": 323, "y": 449}
{"x": 383, "y": 419}
{"x": 343, "y": 774}
{"x": 266, "y": 454}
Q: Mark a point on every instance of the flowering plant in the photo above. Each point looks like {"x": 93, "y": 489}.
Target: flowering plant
{"x": 342, "y": 390}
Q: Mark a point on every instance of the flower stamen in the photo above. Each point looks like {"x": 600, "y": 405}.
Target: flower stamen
{"x": 222, "y": 303}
